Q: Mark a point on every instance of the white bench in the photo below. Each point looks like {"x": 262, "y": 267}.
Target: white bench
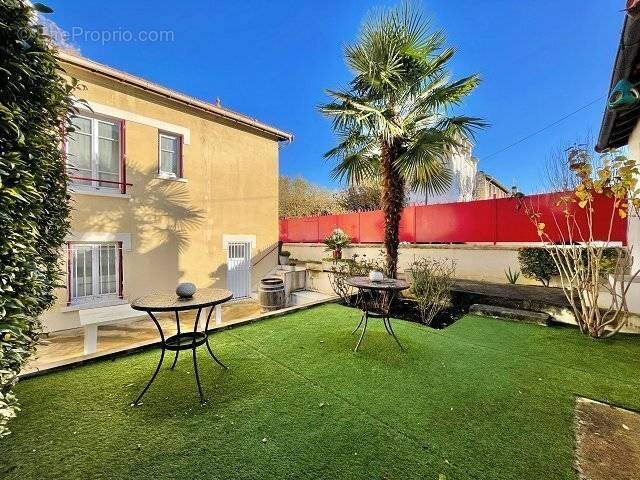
{"x": 92, "y": 318}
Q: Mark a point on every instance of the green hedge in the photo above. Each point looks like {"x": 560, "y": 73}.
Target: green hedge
{"x": 35, "y": 104}
{"x": 537, "y": 263}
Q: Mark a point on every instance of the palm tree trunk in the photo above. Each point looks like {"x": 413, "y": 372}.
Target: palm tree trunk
{"x": 392, "y": 203}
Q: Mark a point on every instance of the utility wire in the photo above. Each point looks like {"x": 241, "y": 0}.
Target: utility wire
{"x": 560, "y": 120}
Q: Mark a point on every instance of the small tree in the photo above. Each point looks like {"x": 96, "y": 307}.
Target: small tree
{"x": 35, "y": 104}
{"x": 336, "y": 242}
{"x": 360, "y": 198}
{"x": 580, "y": 259}
{"x": 300, "y": 198}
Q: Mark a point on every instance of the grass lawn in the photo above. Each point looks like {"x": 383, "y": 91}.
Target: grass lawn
{"x": 484, "y": 398}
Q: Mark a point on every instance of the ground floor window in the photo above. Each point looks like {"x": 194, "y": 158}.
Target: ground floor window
{"x": 94, "y": 272}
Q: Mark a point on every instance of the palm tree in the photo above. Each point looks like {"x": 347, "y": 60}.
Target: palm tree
{"x": 393, "y": 122}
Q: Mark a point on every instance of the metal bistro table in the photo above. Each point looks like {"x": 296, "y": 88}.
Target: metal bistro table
{"x": 375, "y": 300}
{"x": 170, "y": 302}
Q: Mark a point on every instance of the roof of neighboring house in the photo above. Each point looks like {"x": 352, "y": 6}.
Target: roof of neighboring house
{"x": 217, "y": 110}
{"x": 617, "y": 125}
{"x": 492, "y": 180}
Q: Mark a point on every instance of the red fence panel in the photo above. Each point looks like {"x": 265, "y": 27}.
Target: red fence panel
{"x": 455, "y": 222}
{"x": 327, "y": 224}
{"x": 480, "y": 221}
{"x": 408, "y": 225}
{"x": 371, "y": 227}
{"x": 303, "y": 229}
{"x": 349, "y": 223}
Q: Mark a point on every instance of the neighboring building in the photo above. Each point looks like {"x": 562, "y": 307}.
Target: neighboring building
{"x": 467, "y": 182}
{"x": 621, "y": 121}
{"x": 488, "y": 187}
{"x": 463, "y": 166}
{"x": 165, "y": 188}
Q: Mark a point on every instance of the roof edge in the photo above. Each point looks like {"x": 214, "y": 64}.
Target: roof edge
{"x": 621, "y": 69}
{"x": 139, "y": 82}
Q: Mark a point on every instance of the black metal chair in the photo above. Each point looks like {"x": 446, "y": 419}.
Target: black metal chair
{"x": 375, "y": 304}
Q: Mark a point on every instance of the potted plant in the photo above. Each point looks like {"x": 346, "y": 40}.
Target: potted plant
{"x": 284, "y": 257}
{"x": 336, "y": 242}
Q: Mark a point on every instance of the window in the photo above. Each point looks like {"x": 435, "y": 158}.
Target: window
{"x": 170, "y": 155}
{"x": 94, "y": 272}
{"x": 94, "y": 154}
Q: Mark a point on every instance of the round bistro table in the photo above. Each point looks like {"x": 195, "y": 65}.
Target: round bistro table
{"x": 170, "y": 302}
{"x": 388, "y": 286}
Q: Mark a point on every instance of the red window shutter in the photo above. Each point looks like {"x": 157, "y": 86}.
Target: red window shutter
{"x": 181, "y": 157}
{"x": 123, "y": 157}
{"x": 120, "y": 276}
{"x": 69, "y": 276}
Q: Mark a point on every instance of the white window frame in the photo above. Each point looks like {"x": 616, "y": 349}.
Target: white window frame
{"x": 95, "y": 183}
{"x": 96, "y": 296}
{"x": 178, "y": 152}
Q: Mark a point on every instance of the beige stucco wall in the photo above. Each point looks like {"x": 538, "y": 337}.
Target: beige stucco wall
{"x": 176, "y": 227}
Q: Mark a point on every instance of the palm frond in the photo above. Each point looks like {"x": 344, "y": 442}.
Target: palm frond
{"x": 423, "y": 164}
{"x": 461, "y": 126}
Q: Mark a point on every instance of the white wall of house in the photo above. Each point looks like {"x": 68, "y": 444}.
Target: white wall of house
{"x": 633, "y": 232}
{"x": 463, "y": 166}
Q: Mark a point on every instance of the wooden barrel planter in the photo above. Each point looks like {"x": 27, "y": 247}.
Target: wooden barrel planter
{"x": 271, "y": 293}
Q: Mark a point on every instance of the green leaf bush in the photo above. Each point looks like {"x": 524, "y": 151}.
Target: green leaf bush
{"x": 35, "y": 105}
{"x": 537, "y": 262}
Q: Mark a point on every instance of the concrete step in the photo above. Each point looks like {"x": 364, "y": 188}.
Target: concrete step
{"x": 301, "y": 297}
{"x": 526, "y": 316}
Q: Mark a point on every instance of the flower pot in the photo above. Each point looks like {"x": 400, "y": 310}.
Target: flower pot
{"x": 284, "y": 259}
{"x": 337, "y": 254}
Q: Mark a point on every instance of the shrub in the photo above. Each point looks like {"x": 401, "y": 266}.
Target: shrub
{"x": 285, "y": 253}
{"x": 537, "y": 263}
{"x": 352, "y": 267}
{"x": 431, "y": 286}
{"x": 35, "y": 104}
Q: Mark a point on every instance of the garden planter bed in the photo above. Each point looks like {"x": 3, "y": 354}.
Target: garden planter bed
{"x": 466, "y": 293}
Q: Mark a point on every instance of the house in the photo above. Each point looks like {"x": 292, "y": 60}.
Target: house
{"x": 621, "y": 120}
{"x": 487, "y": 187}
{"x": 165, "y": 188}
{"x": 467, "y": 182}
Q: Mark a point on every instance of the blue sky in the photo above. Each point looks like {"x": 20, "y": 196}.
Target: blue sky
{"x": 272, "y": 59}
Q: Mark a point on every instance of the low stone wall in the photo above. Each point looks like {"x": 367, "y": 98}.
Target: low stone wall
{"x": 473, "y": 262}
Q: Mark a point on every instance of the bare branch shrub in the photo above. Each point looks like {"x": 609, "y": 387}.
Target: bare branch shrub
{"x": 354, "y": 267}
{"x": 580, "y": 259}
{"x": 431, "y": 285}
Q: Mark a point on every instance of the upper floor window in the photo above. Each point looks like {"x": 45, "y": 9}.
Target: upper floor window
{"x": 170, "y": 155}
{"x": 94, "y": 153}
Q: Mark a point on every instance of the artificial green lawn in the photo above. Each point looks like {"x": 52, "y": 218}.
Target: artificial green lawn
{"x": 484, "y": 398}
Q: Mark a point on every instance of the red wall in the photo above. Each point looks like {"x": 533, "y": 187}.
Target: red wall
{"x": 497, "y": 220}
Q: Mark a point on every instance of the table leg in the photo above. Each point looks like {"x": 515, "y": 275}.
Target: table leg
{"x": 206, "y": 330}
{"x": 361, "y": 320}
{"x": 384, "y": 320}
{"x": 177, "y": 351}
{"x": 366, "y": 321}
{"x": 153, "y": 377}
{"x": 388, "y": 322}
{"x": 203, "y": 401}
